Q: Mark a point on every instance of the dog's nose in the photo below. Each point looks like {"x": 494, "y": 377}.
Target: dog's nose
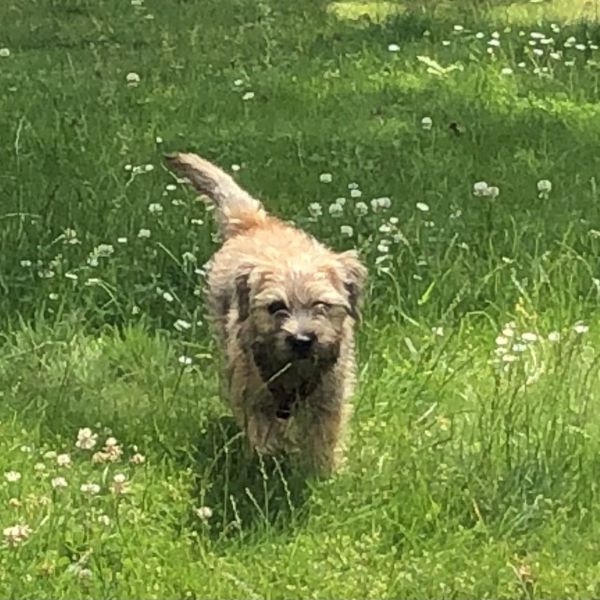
{"x": 301, "y": 343}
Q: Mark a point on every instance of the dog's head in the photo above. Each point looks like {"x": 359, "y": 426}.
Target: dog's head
{"x": 298, "y": 313}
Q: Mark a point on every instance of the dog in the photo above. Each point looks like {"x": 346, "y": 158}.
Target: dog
{"x": 283, "y": 308}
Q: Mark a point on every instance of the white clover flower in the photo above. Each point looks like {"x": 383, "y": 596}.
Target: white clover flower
{"x": 167, "y": 297}
{"x": 536, "y": 35}
{"x": 155, "y": 208}
{"x": 170, "y": 187}
{"x": 385, "y": 228}
{"x": 501, "y": 340}
{"x": 325, "y": 177}
{"x": 248, "y": 96}
{"x": 104, "y": 250}
{"x": 580, "y": 328}
{"x": 346, "y": 230}
{"x": 480, "y": 35}
{"x": 235, "y": 167}
{"x": 521, "y": 65}
{"x": 185, "y": 360}
{"x": 119, "y": 485}
{"x": 197, "y": 222}
{"x": 137, "y": 459}
{"x": 538, "y": 52}
{"x": 509, "y": 358}
{"x": 315, "y": 209}
{"x": 104, "y": 520}
{"x": 58, "y": 482}
{"x": 580, "y": 47}
{"x": 544, "y": 186}
{"x": 238, "y": 82}
{"x": 393, "y": 48}
{"x": 570, "y": 41}
{"x": 39, "y": 467}
{"x": 506, "y": 71}
{"x": 4, "y": 52}
{"x": 158, "y": 140}
{"x": 519, "y": 347}
{"x": 494, "y": 43}
{"x": 132, "y": 79}
{"x": 12, "y": 476}
{"x": 380, "y": 203}
{"x": 122, "y": 240}
{"x": 204, "y": 512}
{"x": 529, "y": 337}
{"x": 91, "y": 489}
{"x": 25, "y": 263}
{"x": 355, "y": 193}
{"x": 493, "y": 192}
{"x": 50, "y": 455}
{"x": 63, "y": 460}
{"x": 458, "y": 28}
{"x": 336, "y": 210}
{"x": 182, "y": 325}
{"x": 353, "y": 185}
{"x": 16, "y": 534}
{"x": 144, "y": 233}
{"x": 86, "y": 440}
{"x": 422, "y": 206}
{"x": 439, "y": 331}
{"x": 446, "y": 42}
{"x": 426, "y": 123}
{"x": 480, "y": 188}
{"x": 361, "y": 209}
{"x": 554, "y": 336}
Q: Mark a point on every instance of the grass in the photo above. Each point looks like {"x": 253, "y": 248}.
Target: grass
{"x": 474, "y": 450}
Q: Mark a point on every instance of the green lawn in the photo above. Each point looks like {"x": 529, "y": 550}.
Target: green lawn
{"x": 474, "y": 455}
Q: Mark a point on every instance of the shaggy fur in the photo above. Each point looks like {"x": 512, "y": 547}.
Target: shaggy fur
{"x": 283, "y": 307}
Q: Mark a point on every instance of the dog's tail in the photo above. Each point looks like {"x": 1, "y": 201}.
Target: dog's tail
{"x": 237, "y": 211}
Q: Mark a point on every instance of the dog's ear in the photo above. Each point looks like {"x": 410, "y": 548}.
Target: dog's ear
{"x": 354, "y": 275}
{"x": 242, "y": 292}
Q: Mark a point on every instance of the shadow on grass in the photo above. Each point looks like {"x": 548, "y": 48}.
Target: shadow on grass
{"x": 245, "y": 494}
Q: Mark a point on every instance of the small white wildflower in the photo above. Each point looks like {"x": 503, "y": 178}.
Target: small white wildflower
{"x": 90, "y": 488}
{"x": 538, "y": 52}
{"x": 127, "y": 167}
{"x": 248, "y": 96}
{"x": 315, "y": 209}
{"x": 355, "y": 193}
{"x": 25, "y": 263}
{"x": 182, "y": 325}
{"x": 570, "y": 41}
{"x": 536, "y": 35}
{"x": 16, "y": 534}
{"x": 235, "y": 167}
{"x": 119, "y": 485}
{"x": 170, "y": 187}
{"x": 529, "y": 337}
{"x": 104, "y": 250}
{"x": 554, "y": 336}
{"x": 495, "y": 35}
{"x": 480, "y": 35}
{"x": 204, "y": 512}
{"x": 158, "y": 140}
{"x": 521, "y": 65}
{"x": 50, "y": 455}
{"x": 197, "y": 222}
{"x": 122, "y": 240}
{"x": 480, "y": 188}
{"x": 445, "y": 42}
{"x": 353, "y": 185}
{"x": 426, "y": 123}
{"x": 385, "y": 228}
{"x": 63, "y": 460}
{"x": 135, "y": 310}
{"x": 86, "y": 440}
{"x": 238, "y": 82}
{"x": 458, "y": 28}
{"x": 185, "y": 360}
{"x": 39, "y": 467}
{"x": 580, "y": 328}
{"x": 519, "y": 347}
{"x": 132, "y": 79}
{"x": 493, "y": 43}
{"x": 378, "y": 203}
{"x": 167, "y": 297}
{"x": 361, "y": 209}
{"x": 137, "y": 459}
{"x": 144, "y": 233}
{"x": 544, "y": 187}
{"x": 501, "y": 340}
{"x": 493, "y": 192}
{"x": 58, "y": 482}
{"x": 104, "y": 520}
{"x": 580, "y": 47}
{"x": 393, "y": 48}
{"x": 509, "y": 358}
{"x": 155, "y": 208}
{"x": 4, "y": 52}
{"x": 439, "y": 331}
{"x": 508, "y": 330}
{"x": 346, "y": 230}
{"x": 325, "y": 177}
{"x": 422, "y": 206}
{"x": 12, "y": 476}
{"x": 506, "y": 71}
{"x": 148, "y": 168}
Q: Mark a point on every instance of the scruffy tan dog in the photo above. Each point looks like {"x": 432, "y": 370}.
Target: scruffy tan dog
{"x": 284, "y": 308}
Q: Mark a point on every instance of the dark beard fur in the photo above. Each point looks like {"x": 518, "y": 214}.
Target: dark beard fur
{"x": 290, "y": 382}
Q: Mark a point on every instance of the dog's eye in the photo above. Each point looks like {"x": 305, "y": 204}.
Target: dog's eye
{"x": 321, "y": 306}
{"x": 276, "y": 307}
